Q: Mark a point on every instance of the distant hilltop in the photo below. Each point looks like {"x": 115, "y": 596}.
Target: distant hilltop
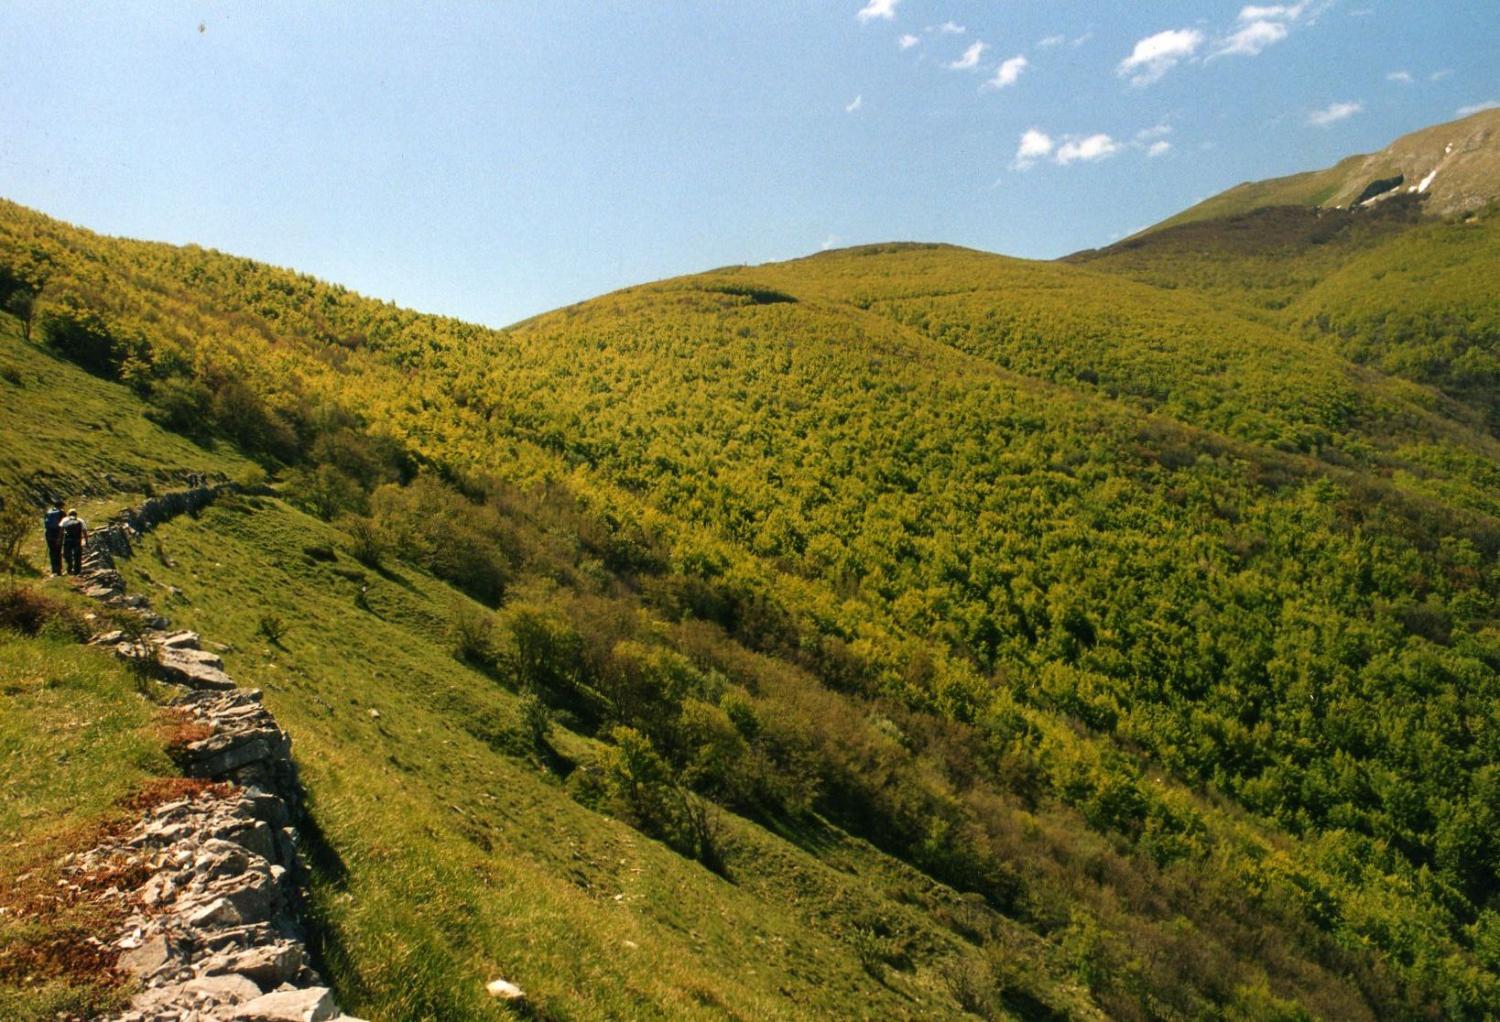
{"x": 1455, "y": 166}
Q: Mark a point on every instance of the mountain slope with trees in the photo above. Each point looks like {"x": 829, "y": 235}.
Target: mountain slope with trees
{"x": 1137, "y": 612}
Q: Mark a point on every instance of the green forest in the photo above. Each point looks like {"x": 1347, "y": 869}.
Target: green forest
{"x": 1145, "y": 602}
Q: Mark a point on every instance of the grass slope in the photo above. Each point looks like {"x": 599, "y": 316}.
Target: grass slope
{"x": 64, "y": 431}
{"x": 444, "y": 861}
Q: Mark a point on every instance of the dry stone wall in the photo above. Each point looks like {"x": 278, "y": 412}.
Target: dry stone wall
{"x": 213, "y": 930}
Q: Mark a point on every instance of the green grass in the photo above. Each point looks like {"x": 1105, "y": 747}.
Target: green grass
{"x": 76, "y": 739}
{"x": 67, "y": 433}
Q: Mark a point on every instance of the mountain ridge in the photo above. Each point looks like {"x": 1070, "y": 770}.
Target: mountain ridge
{"x": 1454, "y": 165}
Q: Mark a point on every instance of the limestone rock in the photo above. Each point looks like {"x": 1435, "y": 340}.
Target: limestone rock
{"x": 149, "y": 957}
{"x": 505, "y": 990}
{"x": 315, "y": 1004}
{"x": 269, "y": 965}
{"x": 193, "y": 668}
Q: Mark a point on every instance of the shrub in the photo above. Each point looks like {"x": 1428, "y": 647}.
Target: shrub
{"x": 534, "y": 721}
{"x": 971, "y": 981}
{"x": 640, "y": 789}
{"x": 326, "y": 492}
{"x": 272, "y": 627}
{"x": 367, "y": 543}
{"x": 872, "y": 949}
{"x": 714, "y": 752}
{"x": 429, "y": 524}
{"x": 368, "y": 460}
{"x": 181, "y": 405}
{"x": 24, "y": 610}
{"x": 83, "y": 339}
{"x": 547, "y": 653}
{"x": 241, "y": 414}
{"x": 471, "y": 631}
{"x": 251, "y": 477}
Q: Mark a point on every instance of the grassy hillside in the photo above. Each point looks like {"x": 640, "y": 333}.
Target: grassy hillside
{"x": 1424, "y": 306}
{"x": 65, "y": 431}
{"x": 1388, "y": 287}
{"x": 1455, "y": 166}
{"x": 1047, "y": 640}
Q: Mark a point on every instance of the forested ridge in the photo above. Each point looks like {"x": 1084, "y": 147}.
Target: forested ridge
{"x": 1150, "y": 596}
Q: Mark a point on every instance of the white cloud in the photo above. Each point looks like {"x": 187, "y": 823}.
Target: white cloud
{"x": 1153, "y": 140}
{"x": 1157, "y": 54}
{"x": 947, "y": 28}
{"x": 1291, "y": 12}
{"x": 1474, "y": 108}
{"x": 1035, "y": 145}
{"x": 1402, "y": 77}
{"x": 970, "y": 60}
{"x": 854, "y": 104}
{"x": 1264, "y": 25}
{"x": 832, "y": 241}
{"x": 1251, "y": 40}
{"x": 1438, "y": 76}
{"x": 884, "y": 9}
{"x": 907, "y": 41}
{"x": 1051, "y": 41}
{"x": 1333, "y": 113}
{"x": 1008, "y": 73}
{"x": 1087, "y": 148}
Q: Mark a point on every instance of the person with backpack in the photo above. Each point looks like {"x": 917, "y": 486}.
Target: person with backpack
{"x": 51, "y": 528}
{"x": 74, "y": 534}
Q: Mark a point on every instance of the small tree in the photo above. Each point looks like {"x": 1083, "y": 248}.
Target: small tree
{"x": 21, "y": 303}
{"x": 547, "y": 649}
{"x": 84, "y": 339}
{"x": 367, "y": 542}
{"x": 182, "y": 405}
{"x": 15, "y": 523}
{"x": 534, "y": 721}
{"x": 326, "y": 492}
{"x": 472, "y": 632}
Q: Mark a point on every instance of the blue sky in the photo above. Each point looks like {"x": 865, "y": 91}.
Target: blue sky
{"x": 494, "y": 160}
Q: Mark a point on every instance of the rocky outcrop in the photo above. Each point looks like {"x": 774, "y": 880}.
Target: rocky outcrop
{"x": 1377, "y": 189}
{"x": 213, "y": 930}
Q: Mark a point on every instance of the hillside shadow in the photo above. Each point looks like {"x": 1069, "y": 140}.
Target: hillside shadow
{"x": 318, "y": 853}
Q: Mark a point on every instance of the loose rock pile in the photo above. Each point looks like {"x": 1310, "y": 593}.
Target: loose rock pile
{"x": 212, "y": 931}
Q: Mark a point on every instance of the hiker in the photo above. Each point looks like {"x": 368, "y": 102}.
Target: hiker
{"x": 74, "y": 532}
{"x": 51, "y": 527}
